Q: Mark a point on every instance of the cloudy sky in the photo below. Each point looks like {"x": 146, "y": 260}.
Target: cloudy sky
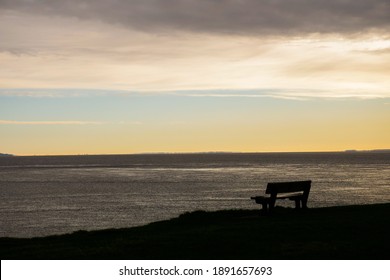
{"x": 99, "y": 76}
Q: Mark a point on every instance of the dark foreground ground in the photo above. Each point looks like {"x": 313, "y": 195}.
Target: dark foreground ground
{"x": 352, "y": 232}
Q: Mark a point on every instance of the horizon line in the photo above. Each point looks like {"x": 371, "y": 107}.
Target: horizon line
{"x": 205, "y": 152}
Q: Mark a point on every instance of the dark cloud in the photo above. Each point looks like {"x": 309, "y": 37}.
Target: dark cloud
{"x": 223, "y": 16}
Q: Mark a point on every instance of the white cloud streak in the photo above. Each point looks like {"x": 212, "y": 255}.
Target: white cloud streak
{"x": 281, "y": 93}
{"x": 70, "y": 123}
{"x": 12, "y": 122}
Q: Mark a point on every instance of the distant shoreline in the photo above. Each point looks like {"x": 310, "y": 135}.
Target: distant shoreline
{"x": 201, "y": 153}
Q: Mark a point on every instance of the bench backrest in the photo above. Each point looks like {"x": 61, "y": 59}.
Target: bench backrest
{"x": 289, "y": 187}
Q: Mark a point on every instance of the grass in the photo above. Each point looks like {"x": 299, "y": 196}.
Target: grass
{"x": 348, "y": 232}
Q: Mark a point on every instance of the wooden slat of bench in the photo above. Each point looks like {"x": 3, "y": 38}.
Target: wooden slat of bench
{"x": 290, "y": 195}
{"x": 287, "y": 187}
{"x": 283, "y": 196}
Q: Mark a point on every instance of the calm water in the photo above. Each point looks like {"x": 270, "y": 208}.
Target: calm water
{"x": 52, "y": 195}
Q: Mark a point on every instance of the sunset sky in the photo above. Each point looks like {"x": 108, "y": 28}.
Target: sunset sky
{"x": 110, "y": 77}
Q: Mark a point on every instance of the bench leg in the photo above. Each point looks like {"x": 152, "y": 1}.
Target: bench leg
{"x": 304, "y": 203}
{"x": 271, "y": 205}
{"x": 264, "y": 210}
{"x": 297, "y": 204}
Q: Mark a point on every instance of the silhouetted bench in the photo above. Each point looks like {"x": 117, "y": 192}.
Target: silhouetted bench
{"x": 297, "y": 191}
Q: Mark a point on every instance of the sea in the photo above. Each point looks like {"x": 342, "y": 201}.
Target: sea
{"x": 49, "y": 195}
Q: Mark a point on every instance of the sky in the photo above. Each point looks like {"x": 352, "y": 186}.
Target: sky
{"x": 122, "y": 77}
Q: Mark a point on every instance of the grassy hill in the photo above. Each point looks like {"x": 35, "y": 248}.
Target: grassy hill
{"x": 351, "y": 232}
